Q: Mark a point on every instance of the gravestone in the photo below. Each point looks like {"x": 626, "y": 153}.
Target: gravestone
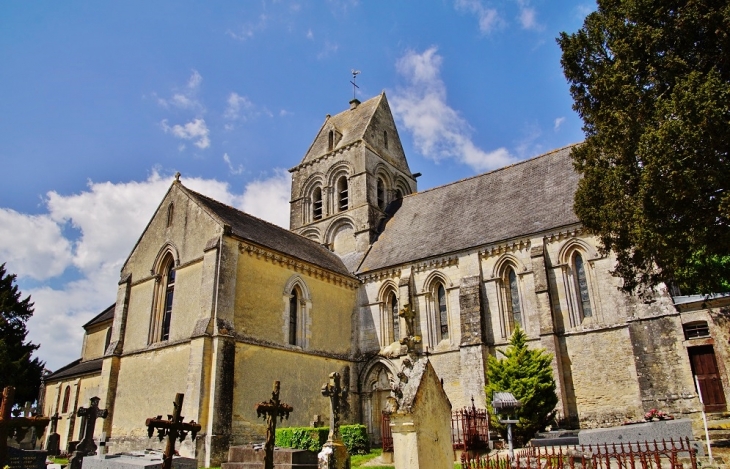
{"x": 252, "y": 457}
{"x": 679, "y": 429}
{"x": 86, "y": 446}
{"x": 420, "y": 418}
{"x": 334, "y": 453}
{"x": 53, "y": 441}
{"x": 137, "y": 460}
{"x": 173, "y": 429}
{"x": 26, "y": 459}
{"x": 17, "y": 428}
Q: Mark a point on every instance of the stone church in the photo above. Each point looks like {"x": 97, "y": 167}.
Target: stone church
{"x": 218, "y": 304}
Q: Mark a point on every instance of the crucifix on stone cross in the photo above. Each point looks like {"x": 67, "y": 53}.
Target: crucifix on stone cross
{"x": 338, "y": 404}
{"x": 411, "y": 339}
{"x": 86, "y": 446}
{"x": 173, "y": 429}
{"x": 270, "y": 410}
{"x": 14, "y": 427}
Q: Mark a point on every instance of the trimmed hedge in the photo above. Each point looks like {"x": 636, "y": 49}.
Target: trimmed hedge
{"x": 355, "y": 438}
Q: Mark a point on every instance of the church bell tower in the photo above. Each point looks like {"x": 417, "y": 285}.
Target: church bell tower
{"x": 353, "y": 170}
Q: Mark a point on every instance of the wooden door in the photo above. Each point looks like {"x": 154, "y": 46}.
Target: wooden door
{"x": 704, "y": 366}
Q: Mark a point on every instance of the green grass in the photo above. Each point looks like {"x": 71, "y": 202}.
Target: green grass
{"x": 359, "y": 459}
{"x": 62, "y": 461}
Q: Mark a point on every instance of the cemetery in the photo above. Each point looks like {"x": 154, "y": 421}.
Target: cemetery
{"x": 423, "y": 432}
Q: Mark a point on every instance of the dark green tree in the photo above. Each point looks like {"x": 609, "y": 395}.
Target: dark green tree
{"x": 17, "y": 368}
{"x": 651, "y": 81}
{"x": 527, "y": 374}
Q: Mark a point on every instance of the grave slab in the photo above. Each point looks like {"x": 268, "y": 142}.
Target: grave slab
{"x": 136, "y": 460}
{"x": 26, "y": 459}
{"x": 676, "y": 430}
{"x": 252, "y": 457}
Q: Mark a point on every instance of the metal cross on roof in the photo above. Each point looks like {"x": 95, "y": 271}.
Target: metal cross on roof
{"x": 355, "y": 73}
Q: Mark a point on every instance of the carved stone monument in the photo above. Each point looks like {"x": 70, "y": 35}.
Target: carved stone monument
{"x": 86, "y": 446}
{"x": 173, "y": 429}
{"x": 334, "y": 453}
{"x": 420, "y": 412}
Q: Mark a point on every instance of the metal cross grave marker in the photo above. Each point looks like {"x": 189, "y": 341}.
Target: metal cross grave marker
{"x": 270, "y": 410}
{"x": 174, "y": 429}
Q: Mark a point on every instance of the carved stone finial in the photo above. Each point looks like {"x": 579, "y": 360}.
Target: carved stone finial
{"x": 177, "y": 177}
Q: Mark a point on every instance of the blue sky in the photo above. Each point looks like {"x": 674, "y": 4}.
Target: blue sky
{"x": 103, "y": 102}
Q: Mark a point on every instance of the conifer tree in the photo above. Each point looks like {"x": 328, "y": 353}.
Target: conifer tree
{"x": 17, "y": 368}
{"x": 526, "y": 373}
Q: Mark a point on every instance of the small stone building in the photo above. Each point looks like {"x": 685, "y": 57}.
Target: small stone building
{"x": 217, "y": 304}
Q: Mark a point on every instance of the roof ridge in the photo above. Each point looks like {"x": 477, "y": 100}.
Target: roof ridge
{"x": 527, "y": 160}
{"x": 259, "y": 219}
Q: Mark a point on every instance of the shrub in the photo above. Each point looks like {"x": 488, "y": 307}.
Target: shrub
{"x": 355, "y": 438}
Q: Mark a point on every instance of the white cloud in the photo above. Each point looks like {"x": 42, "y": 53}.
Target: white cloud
{"x": 236, "y": 105}
{"x": 185, "y": 98}
{"x": 248, "y": 30}
{"x": 196, "y": 129}
{"x": 268, "y": 198}
{"x": 32, "y": 245}
{"x": 108, "y": 219}
{"x": 558, "y": 122}
{"x": 310, "y": 34}
{"x": 233, "y": 170}
{"x": 439, "y": 132}
{"x": 488, "y": 18}
{"x": 528, "y": 16}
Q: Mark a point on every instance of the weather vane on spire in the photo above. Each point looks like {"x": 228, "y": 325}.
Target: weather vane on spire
{"x": 355, "y": 73}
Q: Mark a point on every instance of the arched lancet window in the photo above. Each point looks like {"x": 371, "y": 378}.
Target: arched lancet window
{"x": 381, "y": 194}
{"x": 342, "y": 194}
{"x": 331, "y": 141}
{"x": 581, "y": 286}
{"x": 66, "y": 397}
{"x": 294, "y": 315}
{"x": 514, "y": 309}
{"x": 398, "y": 194}
{"x": 107, "y": 339}
{"x": 443, "y": 319}
{"x": 317, "y": 204}
{"x": 170, "y": 213}
{"x": 385, "y": 138}
{"x": 395, "y": 320}
{"x": 164, "y": 295}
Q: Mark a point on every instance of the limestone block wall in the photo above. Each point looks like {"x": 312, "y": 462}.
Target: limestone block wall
{"x": 82, "y": 389}
{"x": 146, "y": 387}
{"x": 262, "y": 305}
{"x": 301, "y": 376}
{"x": 94, "y": 341}
{"x": 602, "y": 373}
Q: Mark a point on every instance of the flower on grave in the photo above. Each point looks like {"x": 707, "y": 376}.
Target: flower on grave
{"x": 656, "y": 414}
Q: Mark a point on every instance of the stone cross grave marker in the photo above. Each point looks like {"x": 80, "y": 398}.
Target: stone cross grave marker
{"x": 334, "y": 453}
{"x": 54, "y": 439}
{"x": 173, "y": 429}
{"x": 270, "y": 410}
{"x": 14, "y": 427}
{"x": 86, "y": 446}
{"x": 338, "y": 404}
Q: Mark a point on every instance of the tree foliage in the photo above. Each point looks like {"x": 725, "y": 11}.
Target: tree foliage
{"x": 651, "y": 81}
{"x": 17, "y": 368}
{"x": 527, "y": 374}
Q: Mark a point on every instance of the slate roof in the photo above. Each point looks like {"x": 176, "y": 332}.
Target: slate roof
{"x": 76, "y": 368}
{"x": 527, "y": 197}
{"x": 104, "y": 316}
{"x": 353, "y": 125}
{"x": 266, "y": 234}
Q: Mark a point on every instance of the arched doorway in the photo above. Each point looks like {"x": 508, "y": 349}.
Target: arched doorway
{"x": 376, "y": 391}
